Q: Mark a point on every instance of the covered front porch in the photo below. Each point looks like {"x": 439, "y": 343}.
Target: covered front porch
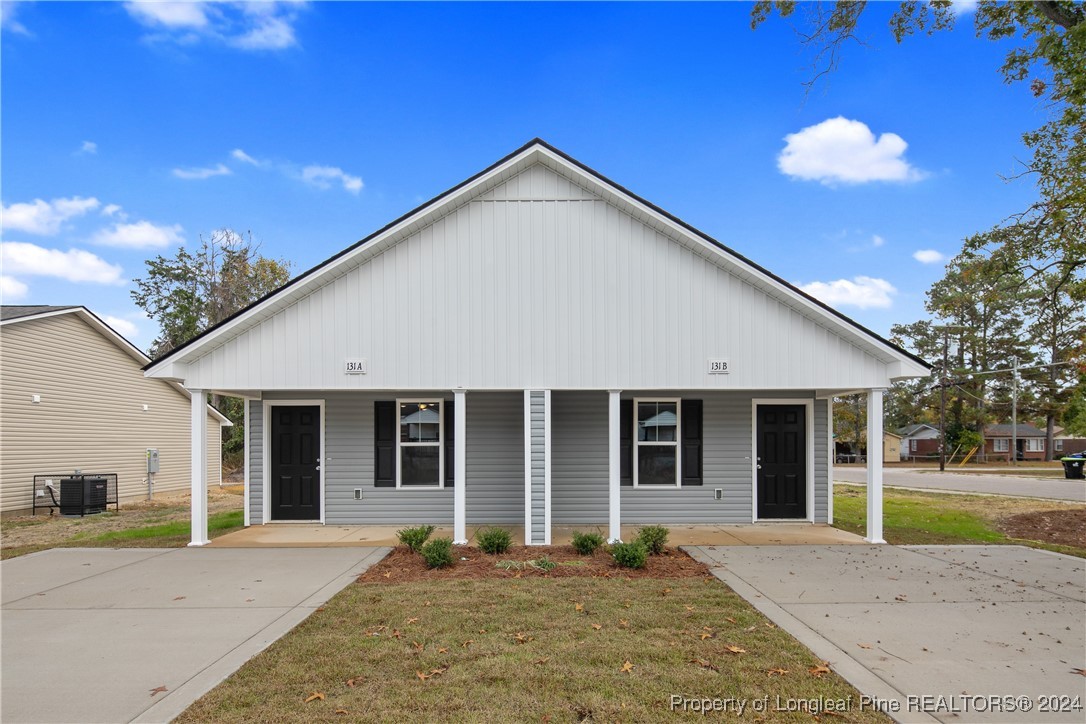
{"x": 540, "y": 462}
{"x": 300, "y": 535}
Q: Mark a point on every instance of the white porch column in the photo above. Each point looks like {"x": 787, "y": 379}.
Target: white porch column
{"x": 874, "y": 465}
{"x": 614, "y": 467}
{"x": 460, "y": 468}
{"x": 199, "y": 468}
{"x": 245, "y": 452}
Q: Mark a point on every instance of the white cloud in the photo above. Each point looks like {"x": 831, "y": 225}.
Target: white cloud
{"x": 89, "y": 148}
{"x": 7, "y": 18}
{"x": 862, "y": 292}
{"x": 114, "y": 210}
{"x": 963, "y": 7}
{"x": 123, "y": 326}
{"x": 202, "y": 173}
{"x": 240, "y": 155}
{"x": 877, "y": 241}
{"x": 245, "y": 25}
{"x": 929, "y": 256}
{"x": 321, "y": 176}
{"x": 11, "y": 289}
{"x": 169, "y": 14}
{"x": 45, "y": 218}
{"x": 838, "y": 150}
{"x": 75, "y": 265}
{"x": 139, "y": 235}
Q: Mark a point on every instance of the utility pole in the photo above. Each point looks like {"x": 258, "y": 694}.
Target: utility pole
{"x": 1014, "y": 411}
{"x": 942, "y": 394}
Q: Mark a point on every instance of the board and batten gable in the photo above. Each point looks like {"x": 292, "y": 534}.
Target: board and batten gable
{"x": 90, "y": 415}
{"x": 540, "y": 283}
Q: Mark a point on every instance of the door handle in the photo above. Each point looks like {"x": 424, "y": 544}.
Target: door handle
{"x": 759, "y": 467}
{"x": 319, "y": 467}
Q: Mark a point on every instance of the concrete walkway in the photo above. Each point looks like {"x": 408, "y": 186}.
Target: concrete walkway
{"x": 999, "y": 482}
{"x": 100, "y": 635}
{"x": 294, "y": 535}
{"x": 928, "y": 621}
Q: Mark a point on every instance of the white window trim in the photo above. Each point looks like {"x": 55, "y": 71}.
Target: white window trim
{"x": 913, "y": 446}
{"x": 1057, "y": 445}
{"x": 676, "y": 443}
{"x": 1001, "y": 444}
{"x": 440, "y": 444}
{"x": 1035, "y": 444}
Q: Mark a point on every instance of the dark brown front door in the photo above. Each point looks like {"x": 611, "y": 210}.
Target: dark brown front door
{"x": 295, "y": 468}
{"x": 782, "y": 461}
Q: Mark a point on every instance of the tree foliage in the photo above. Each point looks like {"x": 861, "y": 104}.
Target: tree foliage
{"x": 1049, "y": 236}
{"x": 192, "y": 291}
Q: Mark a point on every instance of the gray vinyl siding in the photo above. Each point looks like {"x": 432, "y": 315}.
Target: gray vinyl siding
{"x": 495, "y": 463}
{"x": 821, "y": 463}
{"x": 538, "y": 417}
{"x": 579, "y": 458}
{"x": 256, "y": 461}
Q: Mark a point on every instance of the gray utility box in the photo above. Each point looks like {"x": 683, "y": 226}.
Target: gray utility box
{"x": 152, "y": 460}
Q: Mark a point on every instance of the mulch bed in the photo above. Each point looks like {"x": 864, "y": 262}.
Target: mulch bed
{"x": 1062, "y": 527}
{"x": 404, "y": 566}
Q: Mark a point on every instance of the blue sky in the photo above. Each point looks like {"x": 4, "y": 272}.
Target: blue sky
{"x": 130, "y": 128}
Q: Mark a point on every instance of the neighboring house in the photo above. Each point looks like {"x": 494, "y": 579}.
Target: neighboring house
{"x": 891, "y": 447}
{"x": 919, "y": 441}
{"x": 587, "y": 359}
{"x": 1063, "y": 444}
{"x": 998, "y": 442}
{"x": 74, "y": 397}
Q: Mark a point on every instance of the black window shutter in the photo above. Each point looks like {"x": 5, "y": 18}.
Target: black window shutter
{"x": 450, "y": 456}
{"x": 691, "y": 442}
{"x": 384, "y": 443}
{"x": 625, "y": 441}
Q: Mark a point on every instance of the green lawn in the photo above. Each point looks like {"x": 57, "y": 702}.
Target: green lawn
{"x": 531, "y": 649}
{"x": 916, "y": 518}
{"x": 174, "y": 534}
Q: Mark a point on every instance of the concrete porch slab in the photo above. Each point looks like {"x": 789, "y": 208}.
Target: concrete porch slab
{"x": 295, "y": 535}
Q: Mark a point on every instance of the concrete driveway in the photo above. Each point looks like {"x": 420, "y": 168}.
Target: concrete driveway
{"x": 1002, "y": 482}
{"x": 902, "y": 623}
{"x": 99, "y": 635}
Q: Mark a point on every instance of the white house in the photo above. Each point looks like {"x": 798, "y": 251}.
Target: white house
{"x": 539, "y": 345}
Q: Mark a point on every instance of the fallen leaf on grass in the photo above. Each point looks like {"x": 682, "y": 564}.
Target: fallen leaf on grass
{"x": 578, "y": 607}
{"x": 729, "y": 619}
{"x": 158, "y": 690}
{"x": 730, "y": 648}
{"x": 776, "y": 672}
{"x": 665, "y": 591}
{"x": 426, "y": 603}
{"x": 627, "y": 667}
{"x": 411, "y": 621}
{"x": 321, "y": 608}
{"x": 623, "y": 622}
{"x": 596, "y": 626}
{"x": 707, "y": 633}
{"x": 439, "y": 671}
{"x": 482, "y": 630}
{"x": 818, "y": 671}
{"x": 704, "y": 664}
{"x": 770, "y": 625}
{"x": 417, "y": 645}
{"x": 443, "y": 650}
{"x": 540, "y": 662}
{"x": 422, "y": 676}
{"x": 342, "y": 711}
{"x": 467, "y": 643}
{"x": 689, "y": 608}
{"x": 315, "y": 696}
{"x": 521, "y": 638}
{"x": 355, "y": 681}
{"x": 396, "y": 633}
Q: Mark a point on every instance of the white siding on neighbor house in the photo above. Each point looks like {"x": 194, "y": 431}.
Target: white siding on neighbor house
{"x": 540, "y": 284}
{"x": 495, "y": 463}
{"x": 91, "y": 413}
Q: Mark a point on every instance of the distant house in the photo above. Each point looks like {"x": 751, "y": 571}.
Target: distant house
{"x": 74, "y": 397}
{"x": 1064, "y": 444}
{"x": 891, "y": 450}
{"x": 919, "y": 441}
{"x": 891, "y": 447}
{"x": 999, "y": 439}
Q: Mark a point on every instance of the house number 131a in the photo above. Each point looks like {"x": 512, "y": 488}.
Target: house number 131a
{"x": 718, "y": 367}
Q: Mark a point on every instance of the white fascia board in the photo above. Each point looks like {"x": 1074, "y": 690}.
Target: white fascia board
{"x": 321, "y": 276}
{"x": 903, "y": 364}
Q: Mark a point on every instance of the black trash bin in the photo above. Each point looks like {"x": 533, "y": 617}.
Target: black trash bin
{"x": 1072, "y": 466}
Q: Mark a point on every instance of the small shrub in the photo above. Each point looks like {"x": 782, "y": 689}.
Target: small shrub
{"x": 653, "y": 537}
{"x": 544, "y": 564}
{"x": 438, "y": 553}
{"x": 587, "y": 543}
{"x": 494, "y": 540}
{"x": 630, "y": 555}
{"x": 413, "y": 538}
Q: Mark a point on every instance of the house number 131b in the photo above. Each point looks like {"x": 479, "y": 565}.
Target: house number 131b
{"x": 718, "y": 367}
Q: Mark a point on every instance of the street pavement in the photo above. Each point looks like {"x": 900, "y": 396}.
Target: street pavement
{"x": 949, "y": 633}
{"x": 121, "y": 635}
{"x": 997, "y": 482}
